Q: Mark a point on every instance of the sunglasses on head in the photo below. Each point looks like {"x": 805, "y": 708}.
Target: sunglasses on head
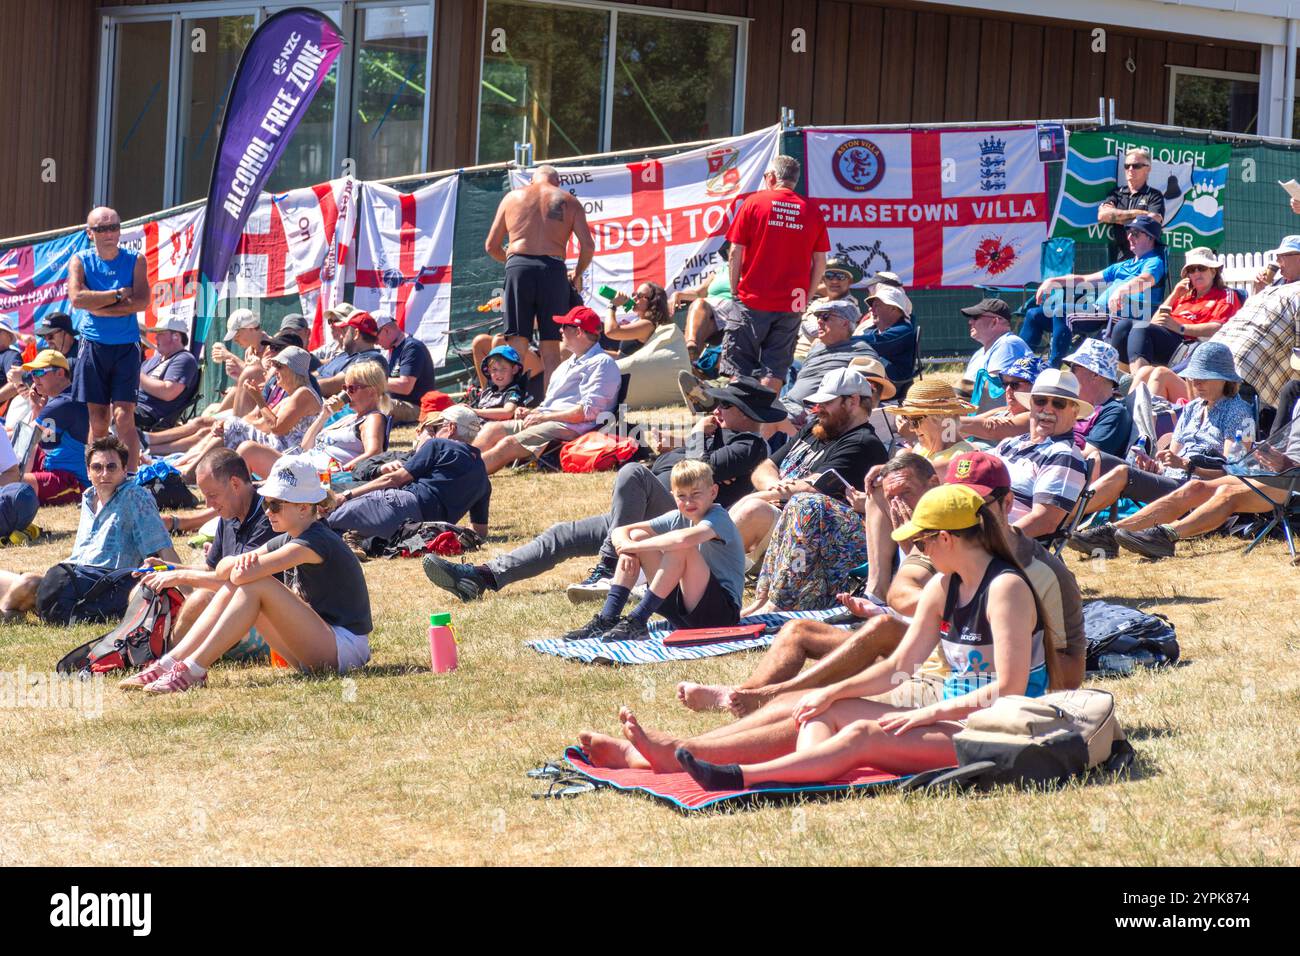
{"x": 1136, "y": 165}
{"x": 1060, "y": 404}
{"x": 111, "y": 227}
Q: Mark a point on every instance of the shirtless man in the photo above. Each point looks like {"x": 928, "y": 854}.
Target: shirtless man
{"x": 538, "y": 220}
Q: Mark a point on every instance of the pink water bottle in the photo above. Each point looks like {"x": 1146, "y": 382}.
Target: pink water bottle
{"x": 442, "y": 644}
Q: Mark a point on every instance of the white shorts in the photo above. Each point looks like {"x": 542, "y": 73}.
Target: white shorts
{"x": 354, "y": 649}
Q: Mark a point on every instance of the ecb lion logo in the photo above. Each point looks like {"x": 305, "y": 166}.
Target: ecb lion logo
{"x": 858, "y": 164}
{"x": 724, "y": 171}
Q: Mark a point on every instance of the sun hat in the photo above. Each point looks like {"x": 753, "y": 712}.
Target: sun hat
{"x": 1211, "y": 360}
{"x": 1026, "y": 369}
{"x": 931, "y": 397}
{"x": 838, "y": 382}
{"x": 173, "y": 324}
{"x": 845, "y": 267}
{"x": 506, "y": 352}
{"x": 467, "y": 423}
{"x": 241, "y": 319}
{"x": 382, "y": 319}
{"x": 364, "y": 323}
{"x": 874, "y": 371}
{"x": 294, "y": 359}
{"x": 845, "y": 309}
{"x": 55, "y": 322}
{"x": 978, "y": 470}
{"x": 892, "y": 295}
{"x": 294, "y": 320}
{"x": 293, "y": 478}
{"x": 945, "y": 508}
{"x": 47, "y": 358}
{"x": 1201, "y": 256}
{"x": 752, "y": 398}
{"x": 1100, "y": 358}
{"x": 1288, "y": 245}
{"x": 1054, "y": 383}
{"x": 886, "y": 278}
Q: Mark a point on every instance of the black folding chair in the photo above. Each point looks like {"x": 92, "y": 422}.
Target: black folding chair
{"x": 1284, "y": 513}
{"x": 1055, "y": 542}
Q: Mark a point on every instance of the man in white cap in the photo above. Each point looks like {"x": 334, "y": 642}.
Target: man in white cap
{"x": 411, "y": 372}
{"x": 1264, "y": 331}
{"x": 168, "y": 378}
{"x": 892, "y": 333}
{"x": 1047, "y": 471}
{"x": 837, "y": 438}
{"x": 243, "y": 328}
{"x": 336, "y": 322}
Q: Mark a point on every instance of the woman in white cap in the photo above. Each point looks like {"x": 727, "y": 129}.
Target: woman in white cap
{"x": 1199, "y": 305}
{"x": 278, "y": 424}
{"x": 317, "y": 620}
{"x": 341, "y": 444}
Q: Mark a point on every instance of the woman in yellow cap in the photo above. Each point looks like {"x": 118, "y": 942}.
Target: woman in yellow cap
{"x": 979, "y": 609}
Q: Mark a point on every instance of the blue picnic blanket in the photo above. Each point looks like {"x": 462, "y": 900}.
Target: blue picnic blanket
{"x": 653, "y": 651}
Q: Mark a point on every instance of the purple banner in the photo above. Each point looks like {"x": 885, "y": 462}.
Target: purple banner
{"x": 278, "y": 75}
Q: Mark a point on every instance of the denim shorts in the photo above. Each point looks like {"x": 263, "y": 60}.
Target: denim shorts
{"x": 354, "y": 649}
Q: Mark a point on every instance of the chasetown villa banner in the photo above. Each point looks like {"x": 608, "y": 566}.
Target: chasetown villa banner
{"x": 939, "y": 208}
{"x": 404, "y": 258}
{"x": 278, "y": 75}
{"x": 663, "y": 220}
{"x": 1192, "y": 176}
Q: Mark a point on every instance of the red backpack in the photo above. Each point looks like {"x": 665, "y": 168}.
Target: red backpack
{"x": 144, "y": 635}
{"x": 596, "y": 451}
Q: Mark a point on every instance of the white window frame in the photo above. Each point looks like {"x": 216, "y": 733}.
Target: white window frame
{"x": 111, "y": 17}
{"x": 1177, "y": 71}
{"x": 613, "y": 9}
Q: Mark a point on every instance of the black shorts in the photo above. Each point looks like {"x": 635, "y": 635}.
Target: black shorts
{"x": 537, "y": 289}
{"x": 716, "y": 608}
{"x": 106, "y": 373}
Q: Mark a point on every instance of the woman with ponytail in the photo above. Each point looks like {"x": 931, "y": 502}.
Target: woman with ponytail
{"x": 981, "y": 612}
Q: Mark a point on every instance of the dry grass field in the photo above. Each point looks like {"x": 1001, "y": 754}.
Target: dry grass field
{"x": 396, "y": 765}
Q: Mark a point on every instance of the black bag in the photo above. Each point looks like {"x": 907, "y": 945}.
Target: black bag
{"x": 171, "y": 493}
{"x": 144, "y": 635}
{"x": 415, "y": 538}
{"x": 1148, "y": 640}
{"x": 75, "y": 593}
{"x": 367, "y": 469}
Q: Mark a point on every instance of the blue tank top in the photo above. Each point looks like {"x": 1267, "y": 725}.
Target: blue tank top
{"x": 104, "y": 276}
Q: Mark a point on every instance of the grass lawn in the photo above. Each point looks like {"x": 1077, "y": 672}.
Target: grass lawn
{"x": 397, "y": 765}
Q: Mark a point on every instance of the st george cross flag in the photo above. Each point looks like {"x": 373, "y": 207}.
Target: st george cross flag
{"x": 404, "y": 246}
{"x": 34, "y": 279}
{"x": 170, "y": 247}
{"x": 941, "y": 208}
{"x": 663, "y": 220}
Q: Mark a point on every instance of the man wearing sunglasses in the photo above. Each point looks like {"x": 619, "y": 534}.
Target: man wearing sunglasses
{"x": 1048, "y": 472}
{"x": 107, "y": 287}
{"x": 59, "y": 472}
{"x": 1135, "y": 198}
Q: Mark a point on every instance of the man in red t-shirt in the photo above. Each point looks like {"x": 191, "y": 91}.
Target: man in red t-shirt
{"x": 778, "y": 253}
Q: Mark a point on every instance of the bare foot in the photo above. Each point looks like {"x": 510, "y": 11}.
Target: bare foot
{"x": 606, "y": 751}
{"x": 745, "y": 700}
{"x": 703, "y": 696}
{"x": 657, "y": 749}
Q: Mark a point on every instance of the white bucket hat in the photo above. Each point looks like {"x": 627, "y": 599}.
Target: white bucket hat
{"x": 1054, "y": 383}
{"x": 892, "y": 295}
{"x": 1201, "y": 256}
{"x": 294, "y": 478}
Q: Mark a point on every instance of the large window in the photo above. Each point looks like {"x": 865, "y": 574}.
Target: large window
{"x": 1209, "y": 99}
{"x": 167, "y": 77}
{"x": 589, "y": 77}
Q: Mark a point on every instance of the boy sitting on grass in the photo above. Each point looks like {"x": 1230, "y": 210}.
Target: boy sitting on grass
{"x": 693, "y": 558}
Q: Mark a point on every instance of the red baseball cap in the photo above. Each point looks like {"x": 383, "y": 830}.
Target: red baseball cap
{"x": 583, "y": 317}
{"x": 979, "y": 471}
{"x": 364, "y": 323}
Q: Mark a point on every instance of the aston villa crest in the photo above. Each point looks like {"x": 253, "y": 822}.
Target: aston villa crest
{"x": 724, "y": 171}
{"x": 858, "y": 164}
{"x": 993, "y": 164}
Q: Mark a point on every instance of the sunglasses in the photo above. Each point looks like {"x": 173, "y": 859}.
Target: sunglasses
{"x": 1015, "y": 385}
{"x": 273, "y": 505}
{"x": 726, "y": 405}
{"x": 1136, "y": 165}
{"x": 111, "y": 227}
{"x": 1196, "y": 269}
{"x": 39, "y": 372}
{"x": 99, "y": 467}
{"x": 919, "y": 541}
{"x": 1060, "y": 404}
{"x": 354, "y": 388}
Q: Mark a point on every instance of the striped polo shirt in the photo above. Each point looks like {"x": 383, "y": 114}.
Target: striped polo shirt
{"x": 1050, "y": 472}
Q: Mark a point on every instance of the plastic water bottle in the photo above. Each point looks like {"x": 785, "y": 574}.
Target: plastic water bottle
{"x": 1233, "y": 452}
{"x": 1115, "y": 664}
{"x": 442, "y": 644}
{"x": 1247, "y": 436}
{"x": 607, "y": 292}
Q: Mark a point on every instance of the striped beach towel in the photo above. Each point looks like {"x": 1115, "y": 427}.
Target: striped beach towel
{"x": 653, "y": 651}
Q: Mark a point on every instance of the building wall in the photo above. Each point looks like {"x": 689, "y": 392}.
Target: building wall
{"x": 865, "y": 63}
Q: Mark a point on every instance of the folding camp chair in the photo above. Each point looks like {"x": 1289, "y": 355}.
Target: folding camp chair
{"x": 1055, "y": 542}
{"x": 1284, "y": 514}
{"x": 1057, "y": 259}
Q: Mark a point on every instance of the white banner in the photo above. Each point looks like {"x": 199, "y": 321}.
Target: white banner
{"x": 403, "y": 258}
{"x": 170, "y": 247}
{"x": 663, "y": 220}
{"x": 941, "y": 208}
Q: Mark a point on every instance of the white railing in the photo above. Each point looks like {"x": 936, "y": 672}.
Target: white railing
{"x": 1241, "y": 268}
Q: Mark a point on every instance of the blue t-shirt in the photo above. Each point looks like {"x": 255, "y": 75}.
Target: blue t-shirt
{"x": 411, "y": 357}
{"x": 105, "y": 276}
{"x": 64, "y": 426}
{"x": 896, "y": 347}
{"x": 182, "y": 367}
{"x": 724, "y": 554}
{"x": 449, "y": 480}
{"x": 339, "y": 363}
{"x": 998, "y": 357}
{"x": 8, "y": 359}
{"x": 1138, "y": 305}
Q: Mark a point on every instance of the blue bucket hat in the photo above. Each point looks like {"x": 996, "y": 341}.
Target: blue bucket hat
{"x": 506, "y": 352}
{"x": 1098, "y": 357}
{"x": 1026, "y": 369}
{"x": 1149, "y": 226}
{"x": 1211, "y": 360}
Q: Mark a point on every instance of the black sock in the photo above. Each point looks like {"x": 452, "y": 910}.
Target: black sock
{"x": 614, "y": 602}
{"x": 488, "y": 578}
{"x": 649, "y": 604}
{"x": 711, "y": 776}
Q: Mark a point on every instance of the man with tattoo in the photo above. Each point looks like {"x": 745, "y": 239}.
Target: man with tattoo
{"x": 530, "y": 234}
